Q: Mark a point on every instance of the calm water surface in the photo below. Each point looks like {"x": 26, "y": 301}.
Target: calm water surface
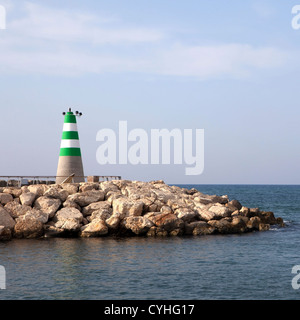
{"x": 250, "y": 266}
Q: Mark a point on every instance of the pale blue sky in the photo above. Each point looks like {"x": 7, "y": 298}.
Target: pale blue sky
{"x": 228, "y": 67}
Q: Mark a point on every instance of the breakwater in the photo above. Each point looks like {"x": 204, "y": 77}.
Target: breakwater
{"x": 123, "y": 208}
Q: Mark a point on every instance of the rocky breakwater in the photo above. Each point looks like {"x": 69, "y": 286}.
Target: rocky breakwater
{"x": 123, "y": 208}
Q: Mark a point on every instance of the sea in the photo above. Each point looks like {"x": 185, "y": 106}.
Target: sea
{"x": 252, "y": 266}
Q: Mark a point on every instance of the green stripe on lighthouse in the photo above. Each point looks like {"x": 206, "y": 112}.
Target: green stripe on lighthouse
{"x": 70, "y": 135}
{"x": 70, "y": 118}
{"x": 73, "y": 152}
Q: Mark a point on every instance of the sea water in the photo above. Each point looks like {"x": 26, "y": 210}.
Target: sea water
{"x": 255, "y": 265}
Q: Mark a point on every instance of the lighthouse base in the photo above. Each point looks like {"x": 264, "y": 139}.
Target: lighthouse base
{"x": 67, "y": 166}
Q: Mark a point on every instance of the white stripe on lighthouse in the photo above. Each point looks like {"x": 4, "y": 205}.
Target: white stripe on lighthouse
{"x": 70, "y": 127}
{"x": 66, "y": 143}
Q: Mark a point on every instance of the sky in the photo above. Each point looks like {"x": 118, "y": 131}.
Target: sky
{"x": 229, "y": 67}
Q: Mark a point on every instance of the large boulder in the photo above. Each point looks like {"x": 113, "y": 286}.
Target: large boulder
{"x": 27, "y": 198}
{"x": 68, "y": 213}
{"x": 151, "y": 206}
{"x": 86, "y": 186}
{"x": 137, "y": 225}
{"x": 113, "y": 222}
{"x": 239, "y": 224}
{"x": 209, "y": 199}
{"x": 5, "y": 233}
{"x": 126, "y": 207}
{"x": 202, "y": 228}
{"x": 85, "y": 198}
{"x": 102, "y": 214}
{"x": 70, "y": 187}
{"x": 264, "y": 227}
{"x": 190, "y": 226}
{"x": 37, "y": 214}
{"x": 47, "y": 205}
{"x": 15, "y": 192}
{"x": 164, "y": 194}
{"x": 268, "y": 217}
{"x": 5, "y": 198}
{"x": 220, "y": 210}
{"x": 28, "y": 227}
{"x": 166, "y": 209}
{"x": 236, "y": 204}
{"x": 244, "y": 211}
{"x": 96, "y": 206}
{"x": 202, "y": 200}
{"x": 5, "y": 219}
{"x": 186, "y": 214}
{"x": 198, "y": 228}
{"x": 110, "y": 196}
{"x": 95, "y": 228}
{"x": 15, "y": 209}
{"x": 68, "y": 219}
{"x": 38, "y": 189}
{"x": 206, "y": 215}
{"x": 166, "y": 221}
{"x": 70, "y": 203}
{"x": 136, "y": 192}
{"x": 280, "y": 222}
{"x": 108, "y": 186}
{"x": 253, "y": 223}
{"x": 222, "y": 226}
{"x": 57, "y": 192}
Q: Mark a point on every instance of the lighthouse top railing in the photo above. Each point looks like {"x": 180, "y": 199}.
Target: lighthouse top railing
{"x": 18, "y": 181}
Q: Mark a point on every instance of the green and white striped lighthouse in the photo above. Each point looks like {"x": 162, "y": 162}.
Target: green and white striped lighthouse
{"x": 70, "y": 162}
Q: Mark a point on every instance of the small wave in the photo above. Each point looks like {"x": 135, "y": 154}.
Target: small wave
{"x": 275, "y": 228}
{"x": 287, "y": 224}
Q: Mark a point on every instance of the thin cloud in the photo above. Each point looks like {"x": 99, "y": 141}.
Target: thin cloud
{"x": 264, "y": 10}
{"x": 58, "y": 42}
{"x": 236, "y": 60}
{"x": 60, "y": 25}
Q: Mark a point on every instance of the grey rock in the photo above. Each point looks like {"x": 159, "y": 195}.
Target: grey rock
{"x": 28, "y": 227}
{"x": 5, "y": 198}
{"x": 57, "y": 192}
{"x": 5, "y": 233}
{"x": 136, "y": 224}
{"x": 126, "y": 207}
{"x": 85, "y": 198}
{"x": 6, "y": 220}
{"x": 96, "y": 206}
{"x": 186, "y": 214}
{"x": 68, "y": 219}
{"x": 47, "y": 205}
{"x": 27, "y": 198}
{"x": 96, "y": 228}
{"x": 15, "y": 209}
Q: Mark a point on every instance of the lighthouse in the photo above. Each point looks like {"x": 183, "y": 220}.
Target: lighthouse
{"x": 70, "y": 168}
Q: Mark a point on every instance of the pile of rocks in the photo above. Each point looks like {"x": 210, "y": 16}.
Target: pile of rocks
{"x": 123, "y": 208}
